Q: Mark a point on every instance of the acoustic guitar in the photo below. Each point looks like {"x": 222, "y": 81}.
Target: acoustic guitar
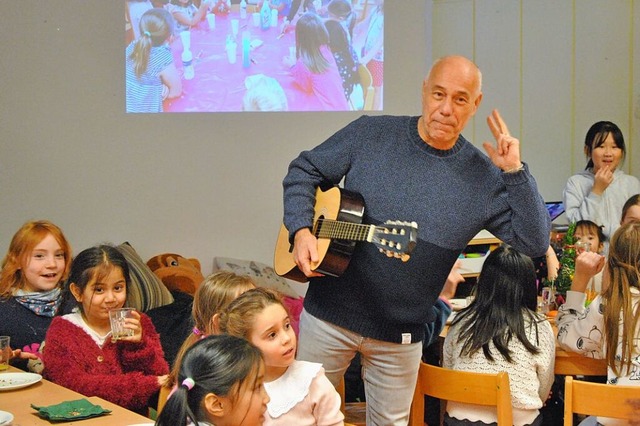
{"x": 338, "y": 227}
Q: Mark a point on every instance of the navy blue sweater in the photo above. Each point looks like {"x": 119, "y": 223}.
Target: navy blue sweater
{"x": 451, "y": 195}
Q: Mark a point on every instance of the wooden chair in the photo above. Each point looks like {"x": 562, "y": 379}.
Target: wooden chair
{"x": 341, "y": 391}
{"x": 162, "y": 397}
{"x": 597, "y": 399}
{"x": 354, "y": 412}
{"x": 461, "y": 386}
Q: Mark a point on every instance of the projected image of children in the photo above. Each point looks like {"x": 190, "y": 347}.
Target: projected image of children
{"x": 217, "y": 46}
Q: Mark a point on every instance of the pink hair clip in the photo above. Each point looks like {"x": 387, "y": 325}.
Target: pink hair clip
{"x": 188, "y": 383}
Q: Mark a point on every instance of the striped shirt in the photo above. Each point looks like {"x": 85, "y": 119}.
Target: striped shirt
{"x": 144, "y": 94}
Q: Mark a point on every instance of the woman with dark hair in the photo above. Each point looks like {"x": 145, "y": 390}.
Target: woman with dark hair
{"x": 501, "y": 331}
{"x": 599, "y": 192}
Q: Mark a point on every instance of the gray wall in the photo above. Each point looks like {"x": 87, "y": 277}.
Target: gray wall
{"x": 206, "y": 185}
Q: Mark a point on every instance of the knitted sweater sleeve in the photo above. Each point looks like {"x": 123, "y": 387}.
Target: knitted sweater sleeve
{"x": 518, "y": 215}
{"x": 325, "y": 164}
{"x": 146, "y": 356}
{"x": 124, "y": 373}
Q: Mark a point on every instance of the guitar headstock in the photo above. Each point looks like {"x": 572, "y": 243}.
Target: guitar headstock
{"x": 395, "y": 238}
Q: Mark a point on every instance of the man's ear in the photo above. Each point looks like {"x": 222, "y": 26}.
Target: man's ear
{"x": 215, "y": 405}
{"x": 478, "y": 101}
{"x": 75, "y": 290}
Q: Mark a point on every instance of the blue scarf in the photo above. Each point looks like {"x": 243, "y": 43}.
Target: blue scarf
{"x": 43, "y": 303}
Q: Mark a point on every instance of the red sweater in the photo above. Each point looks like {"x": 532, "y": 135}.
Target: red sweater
{"x": 122, "y": 372}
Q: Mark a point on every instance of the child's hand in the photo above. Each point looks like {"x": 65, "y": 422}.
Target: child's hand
{"x": 162, "y": 380}
{"x": 22, "y": 355}
{"x": 133, "y": 323}
{"x": 553, "y": 264}
{"x": 602, "y": 180}
{"x": 451, "y": 285}
{"x": 588, "y": 264}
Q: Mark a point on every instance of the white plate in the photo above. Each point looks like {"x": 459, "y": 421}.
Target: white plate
{"x": 10, "y": 381}
{"x": 5, "y": 418}
{"x": 451, "y": 317}
{"x": 457, "y": 304}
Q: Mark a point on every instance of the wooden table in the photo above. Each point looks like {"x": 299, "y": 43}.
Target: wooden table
{"x": 18, "y": 402}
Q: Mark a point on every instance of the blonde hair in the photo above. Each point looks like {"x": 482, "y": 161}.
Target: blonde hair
{"x": 213, "y": 295}
{"x": 264, "y": 94}
{"x": 623, "y": 272}
{"x": 20, "y": 248}
{"x": 239, "y": 316}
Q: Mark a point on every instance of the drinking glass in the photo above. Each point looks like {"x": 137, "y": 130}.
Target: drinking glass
{"x": 582, "y": 246}
{"x": 5, "y": 352}
{"x": 118, "y": 320}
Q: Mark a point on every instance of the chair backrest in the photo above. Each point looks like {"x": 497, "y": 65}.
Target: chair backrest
{"x": 341, "y": 391}
{"x": 162, "y": 397}
{"x": 597, "y": 399}
{"x": 462, "y": 386}
{"x": 367, "y": 86}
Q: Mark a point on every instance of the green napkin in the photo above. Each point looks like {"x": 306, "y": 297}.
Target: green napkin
{"x": 71, "y": 410}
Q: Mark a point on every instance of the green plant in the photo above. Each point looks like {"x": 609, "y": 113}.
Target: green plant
{"x": 567, "y": 262}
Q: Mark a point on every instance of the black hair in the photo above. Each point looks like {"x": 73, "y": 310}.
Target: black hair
{"x": 505, "y": 295}
{"x": 596, "y": 136}
{"x": 217, "y": 364}
{"x": 593, "y": 227}
{"x": 93, "y": 264}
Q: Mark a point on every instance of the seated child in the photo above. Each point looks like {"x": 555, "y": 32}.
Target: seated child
{"x": 80, "y": 353}
{"x": 631, "y": 210}
{"x": 609, "y": 327}
{"x": 215, "y": 293}
{"x": 188, "y": 14}
{"x": 300, "y": 392}
{"x": 150, "y": 72}
{"x": 31, "y": 277}
{"x": 587, "y": 232}
{"x": 221, "y": 383}
{"x": 501, "y": 331}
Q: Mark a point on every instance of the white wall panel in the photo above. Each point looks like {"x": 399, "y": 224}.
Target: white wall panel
{"x": 547, "y": 44}
{"x": 602, "y": 55}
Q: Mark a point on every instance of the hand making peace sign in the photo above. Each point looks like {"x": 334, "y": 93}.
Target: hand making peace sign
{"x": 506, "y": 153}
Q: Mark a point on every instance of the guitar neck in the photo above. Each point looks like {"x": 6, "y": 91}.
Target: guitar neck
{"x": 334, "y": 229}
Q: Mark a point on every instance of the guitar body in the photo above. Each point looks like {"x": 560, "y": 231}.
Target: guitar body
{"x": 334, "y": 254}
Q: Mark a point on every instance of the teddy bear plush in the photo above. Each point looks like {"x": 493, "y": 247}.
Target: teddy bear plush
{"x": 177, "y": 272}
